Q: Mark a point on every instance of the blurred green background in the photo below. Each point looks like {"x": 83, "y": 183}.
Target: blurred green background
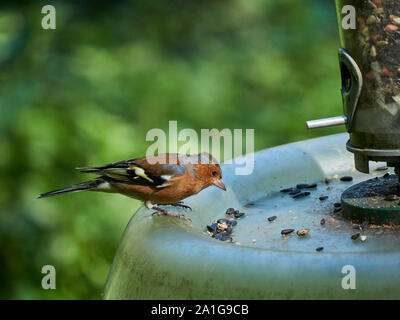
{"x": 88, "y": 92}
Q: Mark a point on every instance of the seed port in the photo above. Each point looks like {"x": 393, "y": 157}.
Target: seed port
{"x": 346, "y": 78}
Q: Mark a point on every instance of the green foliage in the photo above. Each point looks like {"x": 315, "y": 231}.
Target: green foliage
{"x": 88, "y": 92}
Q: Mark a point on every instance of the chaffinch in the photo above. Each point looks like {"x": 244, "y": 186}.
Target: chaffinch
{"x": 165, "y": 182}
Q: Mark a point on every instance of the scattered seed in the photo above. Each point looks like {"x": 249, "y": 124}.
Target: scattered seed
{"x": 382, "y": 43}
{"x": 311, "y": 186}
{"x": 232, "y": 223}
{"x": 302, "y": 186}
{"x": 286, "y": 231}
{"x": 391, "y": 197}
{"x": 355, "y": 236}
{"x": 395, "y": 19}
{"x": 303, "y": 232}
{"x": 270, "y": 219}
{"x": 372, "y": 19}
{"x": 386, "y": 175}
{"x": 323, "y": 198}
{"x": 222, "y": 226}
{"x": 239, "y": 214}
{"x": 254, "y": 240}
{"x": 322, "y": 222}
{"x": 383, "y": 168}
{"x": 287, "y": 190}
{"x": 385, "y": 71}
{"x": 363, "y": 238}
{"x": 373, "y": 51}
{"x": 319, "y": 249}
{"x": 391, "y": 27}
{"x": 337, "y": 209}
{"x": 223, "y": 236}
{"x": 346, "y": 178}
{"x": 301, "y": 195}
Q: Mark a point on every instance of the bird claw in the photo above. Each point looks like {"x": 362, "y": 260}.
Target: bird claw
{"x": 180, "y": 204}
{"x": 163, "y": 212}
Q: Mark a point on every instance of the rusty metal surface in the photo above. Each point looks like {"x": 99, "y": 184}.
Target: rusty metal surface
{"x": 166, "y": 258}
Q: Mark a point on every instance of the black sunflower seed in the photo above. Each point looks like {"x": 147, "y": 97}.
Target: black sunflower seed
{"x": 346, "y": 178}
{"x": 322, "y": 222}
{"x": 223, "y": 236}
{"x": 355, "y": 236}
{"x": 287, "y": 231}
{"x": 230, "y": 211}
{"x": 295, "y": 191}
{"x": 270, "y": 219}
{"x": 319, "y": 249}
{"x": 386, "y": 175}
{"x": 337, "y": 204}
{"x": 239, "y": 214}
{"x": 337, "y": 209}
{"x": 211, "y": 228}
{"x": 311, "y": 186}
{"x": 301, "y": 195}
{"x": 232, "y": 223}
{"x": 302, "y": 186}
{"x": 286, "y": 190}
{"x": 323, "y": 198}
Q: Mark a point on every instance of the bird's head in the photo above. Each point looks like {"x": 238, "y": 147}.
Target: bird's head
{"x": 210, "y": 171}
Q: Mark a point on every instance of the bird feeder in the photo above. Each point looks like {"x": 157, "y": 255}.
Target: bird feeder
{"x": 369, "y": 60}
{"x": 313, "y": 226}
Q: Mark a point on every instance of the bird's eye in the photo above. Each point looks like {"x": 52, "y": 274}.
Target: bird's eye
{"x": 214, "y": 173}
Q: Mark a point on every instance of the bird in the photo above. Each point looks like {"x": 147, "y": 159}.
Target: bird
{"x": 163, "y": 179}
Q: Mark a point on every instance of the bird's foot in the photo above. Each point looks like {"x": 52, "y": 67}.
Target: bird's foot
{"x": 180, "y": 204}
{"x": 163, "y": 212}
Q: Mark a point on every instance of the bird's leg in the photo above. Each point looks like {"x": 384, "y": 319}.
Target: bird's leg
{"x": 180, "y": 204}
{"x": 163, "y": 212}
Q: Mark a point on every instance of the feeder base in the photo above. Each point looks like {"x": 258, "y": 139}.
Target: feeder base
{"x": 375, "y": 200}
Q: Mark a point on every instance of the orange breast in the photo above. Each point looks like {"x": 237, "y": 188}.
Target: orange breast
{"x": 179, "y": 188}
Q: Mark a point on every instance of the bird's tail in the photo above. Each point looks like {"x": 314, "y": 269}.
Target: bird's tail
{"x": 88, "y": 185}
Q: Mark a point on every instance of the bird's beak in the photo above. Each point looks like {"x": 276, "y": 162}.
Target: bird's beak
{"x": 219, "y": 184}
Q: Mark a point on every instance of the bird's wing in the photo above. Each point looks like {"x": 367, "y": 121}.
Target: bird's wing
{"x": 137, "y": 171}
